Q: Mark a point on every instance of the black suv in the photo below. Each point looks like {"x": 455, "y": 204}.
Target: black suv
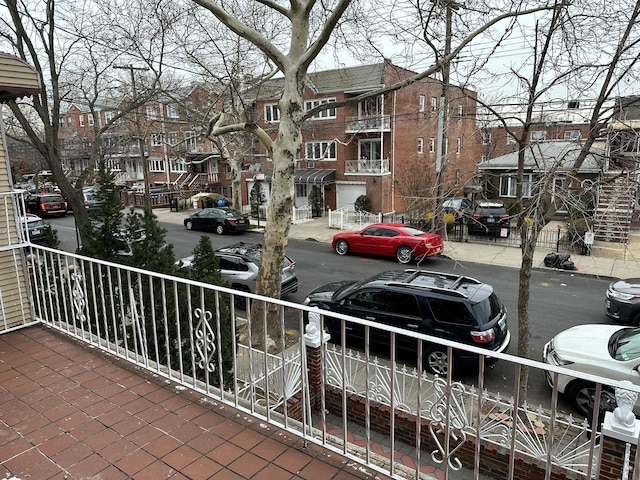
{"x": 452, "y": 307}
{"x": 490, "y": 218}
{"x": 622, "y": 302}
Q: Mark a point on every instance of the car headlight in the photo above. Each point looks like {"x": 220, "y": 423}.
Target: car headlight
{"x": 620, "y": 295}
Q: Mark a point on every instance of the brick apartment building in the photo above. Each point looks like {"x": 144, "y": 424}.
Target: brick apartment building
{"x": 384, "y": 147}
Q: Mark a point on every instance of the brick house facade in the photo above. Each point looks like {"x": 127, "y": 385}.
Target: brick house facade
{"x": 384, "y": 147}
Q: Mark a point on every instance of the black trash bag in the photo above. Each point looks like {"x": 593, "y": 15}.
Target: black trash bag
{"x": 559, "y": 260}
{"x": 550, "y": 260}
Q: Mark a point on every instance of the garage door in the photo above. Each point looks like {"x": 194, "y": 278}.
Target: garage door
{"x": 347, "y": 194}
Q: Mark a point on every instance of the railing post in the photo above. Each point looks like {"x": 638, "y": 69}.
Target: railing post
{"x": 314, "y": 339}
{"x": 620, "y": 432}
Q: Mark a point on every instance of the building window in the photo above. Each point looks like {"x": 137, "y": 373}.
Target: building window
{"x": 173, "y": 138}
{"x": 301, "y": 190}
{"x": 508, "y": 185}
{"x": 113, "y": 165}
{"x": 328, "y": 113}
{"x": 423, "y": 101}
{"x": 321, "y": 151}
{"x": 178, "y": 165}
{"x": 486, "y": 138}
{"x": 271, "y": 113}
{"x": 432, "y": 145}
{"x": 152, "y": 112}
{"x": 81, "y": 120}
{"x": 370, "y": 149}
{"x": 434, "y": 104}
{"x": 483, "y": 158}
{"x": 68, "y": 121}
{"x": 90, "y": 118}
{"x": 371, "y": 107}
{"x": 538, "y": 135}
{"x": 172, "y": 111}
{"x": 190, "y": 141}
{"x": 420, "y": 145}
{"x": 459, "y": 113}
{"x": 156, "y": 164}
{"x": 572, "y": 134}
{"x": 511, "y": 140}
{"x": 108, "y": 116}
{"x": 156, "y": 139}
{"x": 458, "y": 145}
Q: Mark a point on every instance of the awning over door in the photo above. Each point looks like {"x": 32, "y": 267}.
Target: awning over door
{"x": 314, "y": 176}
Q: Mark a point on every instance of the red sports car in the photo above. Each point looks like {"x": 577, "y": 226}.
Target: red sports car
{"x": 389, "y": 240}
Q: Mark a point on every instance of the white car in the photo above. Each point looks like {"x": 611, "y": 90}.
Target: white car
{"x": 609, "y": 351}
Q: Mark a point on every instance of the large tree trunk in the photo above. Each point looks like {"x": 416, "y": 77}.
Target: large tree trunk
{"x": 286, "y": 150}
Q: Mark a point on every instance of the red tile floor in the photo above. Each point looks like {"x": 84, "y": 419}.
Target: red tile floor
{"x": 71, "y": 412}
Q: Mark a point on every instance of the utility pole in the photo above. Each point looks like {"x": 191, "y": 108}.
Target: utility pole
{"x": 443, "y": 116}
{"x": 141, "y": 145}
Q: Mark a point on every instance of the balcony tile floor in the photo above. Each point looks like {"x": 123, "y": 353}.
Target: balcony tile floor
{"x": 70, "y": 412}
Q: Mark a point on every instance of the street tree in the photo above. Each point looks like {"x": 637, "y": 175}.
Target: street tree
{"x": 74, "y": 56}
{"x": 305, "y": 28}
{"x": 559, "y": 57}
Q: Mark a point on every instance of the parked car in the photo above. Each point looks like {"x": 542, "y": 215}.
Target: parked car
{"x": 609, "y": 351}
{"x": 460, "y": 208}
{"x": 219, "y": 220}
{"x": 489, "y": 218}
{"x": 622, "y": 301}
{"x": 91, "y": 201}
{"x": 444, "y": 305}
{"x": 44, "y": 204}
{"x": 239, "y": 265}
{"x": 36, "y": 227}
{"x": 397, "y": 240}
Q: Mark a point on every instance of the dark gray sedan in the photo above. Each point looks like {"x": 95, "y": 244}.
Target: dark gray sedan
{"x": 219, "y": 220}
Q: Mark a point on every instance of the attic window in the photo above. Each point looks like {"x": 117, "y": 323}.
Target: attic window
{"x": 573, "y": 104}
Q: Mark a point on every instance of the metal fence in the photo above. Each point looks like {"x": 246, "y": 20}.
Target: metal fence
{"x": 192, "y": 333}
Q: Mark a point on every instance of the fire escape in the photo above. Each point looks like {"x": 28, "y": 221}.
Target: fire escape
{"x": 617, "y": 195}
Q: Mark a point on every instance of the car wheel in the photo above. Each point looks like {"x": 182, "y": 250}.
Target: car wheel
{"x": 189, "y": 225}
{"x": 219, "y": 229}
{"x": 436, "y": 361}
{"x": 342, "y": 247}
{"x": 404, "y": 254}
{"x": 580, "y": 395}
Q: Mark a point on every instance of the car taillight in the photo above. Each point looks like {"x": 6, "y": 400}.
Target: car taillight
{"x": 86, "y": 204}
{"x": 485, "y": 336}
{"x": 477, "y": 217}
{"x": 232, "y": 220}
{"x": 292, "y": 265}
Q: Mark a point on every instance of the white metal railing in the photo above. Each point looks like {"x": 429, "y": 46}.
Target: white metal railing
{"x": 368, "y": 123}
{"x": 302, "y": 214}
{"x": 191, "y": 333}
{"x": 351, "y": 220}
{"x": 367, "y": 166}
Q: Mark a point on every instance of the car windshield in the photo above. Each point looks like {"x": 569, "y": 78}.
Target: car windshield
{"x": 231, "y": 213}
{"x": 625, "y": 344}
{"x": 452, "y": 203}
{"x": 36, "y": 224}
{"x": 52, "y": 199}
{"x": 411, "y": 231}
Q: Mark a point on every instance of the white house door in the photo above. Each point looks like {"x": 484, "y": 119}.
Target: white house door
{"x": 347, "y": 193}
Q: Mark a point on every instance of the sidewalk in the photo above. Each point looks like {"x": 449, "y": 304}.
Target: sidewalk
{"x": 606, "y": 260}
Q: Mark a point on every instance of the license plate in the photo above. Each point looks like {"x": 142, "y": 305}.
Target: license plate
{"x": 35, "y": 232}
{"x": 502, "y": 323}
{"x": 490, "y": 220}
